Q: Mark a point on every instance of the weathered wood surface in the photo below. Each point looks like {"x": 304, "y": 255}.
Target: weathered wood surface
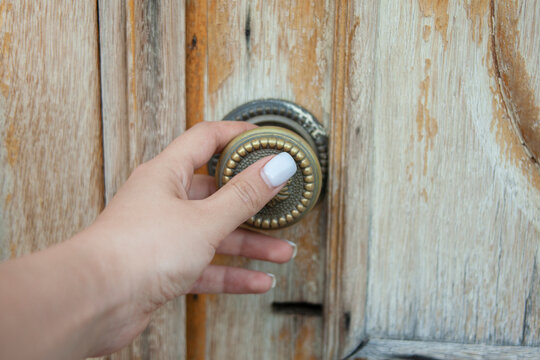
{"x": 143, "y": 87}
{"x": 441, "y": 207}
{"x": 381, "y": 349}
{"x": 433, "y": 206}
{"x": 51, "y": 178}
{"x": 261, "y": 49}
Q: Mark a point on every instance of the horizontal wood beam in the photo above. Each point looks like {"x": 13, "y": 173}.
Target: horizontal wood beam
{"x": 375, "y": 349}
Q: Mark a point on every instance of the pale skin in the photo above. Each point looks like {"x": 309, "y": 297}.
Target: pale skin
{"x": 93, "y": 294}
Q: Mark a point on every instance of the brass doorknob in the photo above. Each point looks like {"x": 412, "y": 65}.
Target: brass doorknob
{"x": 303, "y": 189}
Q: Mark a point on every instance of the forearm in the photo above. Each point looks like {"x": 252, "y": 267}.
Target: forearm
{"x": 54, "y": 301}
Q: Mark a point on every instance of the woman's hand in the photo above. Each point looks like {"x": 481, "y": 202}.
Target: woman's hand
{"x": 166, "y": 224}
{"x": 156, "y": 239}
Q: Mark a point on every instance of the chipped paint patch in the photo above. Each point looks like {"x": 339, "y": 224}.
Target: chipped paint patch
{"x": 426, "y": 32}
{"x": 438, "y": 10}
{"x": 409, "y": 171}
{"x": 303, "y": 345}
{"x": 426, "y": 125}
{"x": 306, "y": 53}
{"x": 477, "y": 10}
{"x": 12, "y": 145}
{"x": 8, "y": 199}
{"x": 222, "y": 50}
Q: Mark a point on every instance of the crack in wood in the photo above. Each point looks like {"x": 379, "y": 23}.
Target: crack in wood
{"x": 247, "y": 30}
{"x": 359, "y": 347}
{"x": 508, "y": 109}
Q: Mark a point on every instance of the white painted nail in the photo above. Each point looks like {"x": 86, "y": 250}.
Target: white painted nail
{"x": 295, "y": 249}
{"x": 279, "y": 169}
{"x": 273, "y": 279}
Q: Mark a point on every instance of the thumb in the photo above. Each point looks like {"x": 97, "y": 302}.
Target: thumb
{"x": 247, "y": 193}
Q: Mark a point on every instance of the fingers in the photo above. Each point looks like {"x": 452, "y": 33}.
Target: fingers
{"x": 257, "y": 246}
{"x": 231, "y": 280}
{"x": 195, "y": 147}
{"x": 201, "y": 187}
{"x": 246, "y": 193}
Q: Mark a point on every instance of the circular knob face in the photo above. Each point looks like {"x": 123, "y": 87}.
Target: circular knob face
{"x": 301, "y": 191}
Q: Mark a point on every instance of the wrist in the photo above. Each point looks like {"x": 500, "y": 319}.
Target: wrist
{"x": 109, "y": 288}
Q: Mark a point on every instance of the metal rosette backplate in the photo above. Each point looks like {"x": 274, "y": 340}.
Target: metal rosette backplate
{"x": 288, "y": 115}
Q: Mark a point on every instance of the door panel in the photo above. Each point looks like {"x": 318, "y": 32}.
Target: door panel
{"x": 51, "y": 178}
{"x": 143, "y": 87}
{"x": 241, "y": 51}
{"x": 442, "y": 207}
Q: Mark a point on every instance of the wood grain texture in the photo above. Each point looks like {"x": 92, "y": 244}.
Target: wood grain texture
{"x": 260, "y": 49}
{"x": 143, "y": 90}
{"x": 380, "y": 349}
{"x": 51, "y": 178}
{"x": 442, "y": 216}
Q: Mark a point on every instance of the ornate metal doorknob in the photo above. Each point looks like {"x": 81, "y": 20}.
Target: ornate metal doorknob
{"x": 284, "y": 127}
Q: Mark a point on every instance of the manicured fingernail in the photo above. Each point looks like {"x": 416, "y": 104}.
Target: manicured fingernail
{"x": 279, "y": 169}
{"x": 295, "y": 249}
{"x": 273, "y": 279}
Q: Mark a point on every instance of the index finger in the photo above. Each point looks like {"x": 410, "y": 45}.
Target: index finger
{"x": 195, "y": 147}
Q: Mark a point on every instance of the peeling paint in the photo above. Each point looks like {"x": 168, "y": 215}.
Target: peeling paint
{"x": 476, "y": 13}
{"x": 307, "y": 65}
{"x": 426, "y": 32}
{"x": 438, "y": 10}
{"x": 12, "y": 145}
{"x": 8, "y": 199}
{"x": 426, "y": 125}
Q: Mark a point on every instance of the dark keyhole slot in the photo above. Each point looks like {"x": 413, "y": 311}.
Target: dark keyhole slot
{"x": 297, "y": 308}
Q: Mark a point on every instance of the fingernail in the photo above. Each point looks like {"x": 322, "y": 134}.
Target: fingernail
{"x": 295, "y": 249}
{"x": 279, "y": 169}
{"x": 273, "y": 279}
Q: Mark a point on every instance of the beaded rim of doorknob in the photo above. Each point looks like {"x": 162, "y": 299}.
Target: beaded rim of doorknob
{"x": 291, "y": 116}
{"x": 276, "y": 138}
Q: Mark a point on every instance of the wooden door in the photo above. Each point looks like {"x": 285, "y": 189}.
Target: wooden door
{"x": 428, "y": 240}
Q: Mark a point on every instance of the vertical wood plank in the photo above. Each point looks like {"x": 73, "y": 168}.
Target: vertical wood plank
{"x": 196, "y": 58}
{"x": 143, "y": 59}
{"x": 259, "y": 49}
{"x": 333, "y": 327}
{"x": 355, "y": 68}
{"x": 442, "y": 212}
{"x": 51, "y": 178}
{"x": 114, "y": 102}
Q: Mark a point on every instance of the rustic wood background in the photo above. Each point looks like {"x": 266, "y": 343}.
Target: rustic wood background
{"x": 429, "y": 236}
